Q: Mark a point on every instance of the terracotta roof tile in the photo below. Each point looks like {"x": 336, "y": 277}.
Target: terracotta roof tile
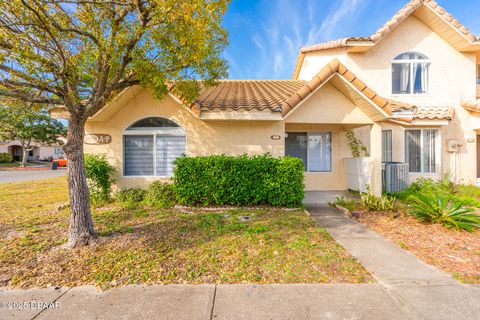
{"x": 471, "y": 105}
{"x": 431, "y": 113}
{"x": 249, "y": 94}
{"x": 423, "y": 112}
{"x": 398, "y": 18}
{"x": 336, "y": 67}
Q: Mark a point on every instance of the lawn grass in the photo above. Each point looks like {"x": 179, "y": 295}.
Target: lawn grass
{"x": 9, "y": 164}
{"x": 145, "y": 245}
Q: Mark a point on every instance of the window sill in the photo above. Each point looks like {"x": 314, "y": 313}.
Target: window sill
{"x": 317, "y": 172}
{"x": 150, "y": 177}
{"x": 424, "y": 173}
{"x": 410, "y": 94}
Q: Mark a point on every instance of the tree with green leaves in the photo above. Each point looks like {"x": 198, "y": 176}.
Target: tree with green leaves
{"x": 30, "y": 127}
{"x": 80, "y": 53}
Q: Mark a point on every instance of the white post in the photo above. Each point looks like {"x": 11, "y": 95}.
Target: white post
{"x": 376, "y": 158}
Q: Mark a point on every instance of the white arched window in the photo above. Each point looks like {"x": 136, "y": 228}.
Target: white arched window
{"x": 150, "y": 147}
{"x": 410, "y": 73}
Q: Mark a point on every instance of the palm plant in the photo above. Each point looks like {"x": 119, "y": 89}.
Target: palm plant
{"x": 437, "y": 208}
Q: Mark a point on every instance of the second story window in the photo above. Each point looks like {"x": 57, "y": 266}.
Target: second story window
{"x": 410, "y": 73}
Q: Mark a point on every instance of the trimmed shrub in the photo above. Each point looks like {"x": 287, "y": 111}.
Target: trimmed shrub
{"x": 437, "y": 208}
{"x": 160, "y": 195}
{"x": 5, "y": 157}
{"x": 131, "y": 198}
{"x": 241, "y": 180}
{"x": 99, "y": 177}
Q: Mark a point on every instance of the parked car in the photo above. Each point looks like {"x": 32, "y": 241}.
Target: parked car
{"x": 60, "y": 162}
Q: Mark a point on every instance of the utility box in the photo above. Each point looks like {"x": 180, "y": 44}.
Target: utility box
{"x": 394, "y": 176}
{"x": 452, "y": 145}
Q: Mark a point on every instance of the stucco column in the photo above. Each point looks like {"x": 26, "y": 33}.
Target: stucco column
{"x": 376, "y": 157}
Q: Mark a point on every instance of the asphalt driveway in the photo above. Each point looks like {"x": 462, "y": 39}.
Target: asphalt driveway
{"x": 16, "y": 176}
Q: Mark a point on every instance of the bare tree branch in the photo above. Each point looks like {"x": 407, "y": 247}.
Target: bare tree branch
{"x": 26, "y": 97}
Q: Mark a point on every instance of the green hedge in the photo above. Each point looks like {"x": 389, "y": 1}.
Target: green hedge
{"x": 5, "y": 157}
{"x": 242, "y": 180}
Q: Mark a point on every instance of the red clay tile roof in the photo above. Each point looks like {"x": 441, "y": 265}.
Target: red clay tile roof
{"x": 397, "y": 19}
{"x": 471, "y": 105}
{"x": 433, "y": 113}
{"x": 335, "y": 67}
{"x": 276, "y": 95}
{"x": 285, "y": 95}
{"x": 247, "y": 95}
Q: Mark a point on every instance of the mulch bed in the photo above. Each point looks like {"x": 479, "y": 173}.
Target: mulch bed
{"x": 456, "y": 252}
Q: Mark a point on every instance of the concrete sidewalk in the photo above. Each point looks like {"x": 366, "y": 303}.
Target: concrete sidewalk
{"x": 205, "y": 302}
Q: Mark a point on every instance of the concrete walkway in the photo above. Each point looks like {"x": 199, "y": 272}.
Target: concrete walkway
{"x": 421, "y": 290}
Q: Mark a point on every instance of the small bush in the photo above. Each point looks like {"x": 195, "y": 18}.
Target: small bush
{"x": 5, "y": 157}
{"x": 160, "y": 195}
{"x": 99, "y": 177}
{"x": 443, "y": 186}
{"x": 467, "y": 195}
{"x": 241, "y": 180}
{"x": 464, "y": 195}
{"x": 131, "y": 198}
{"x": 437, "y": 208}
{"x": 384, "y": 203}
{"x": 344, "y": 203}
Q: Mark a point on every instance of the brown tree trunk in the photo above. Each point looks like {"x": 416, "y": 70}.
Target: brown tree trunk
{"x": 24, "y": 157}
{"x": 80, "y": 232}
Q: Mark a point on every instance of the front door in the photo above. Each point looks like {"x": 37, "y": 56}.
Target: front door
{"x": 17, "y": 153}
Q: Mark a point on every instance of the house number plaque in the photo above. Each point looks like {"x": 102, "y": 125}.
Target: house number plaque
{"x": 97, "y": 139}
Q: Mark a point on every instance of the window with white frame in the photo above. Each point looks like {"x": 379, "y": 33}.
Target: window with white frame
{"x": 410, "y": 73}
{"x": 150, "y": 147}
{"x": 387, "y": 145}
{"x": 422, "y": 150}
{"x": 314, "y": 148}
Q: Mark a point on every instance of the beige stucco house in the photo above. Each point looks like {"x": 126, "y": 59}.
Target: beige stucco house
{"x": 409, "y": 92}
{"x": 38, "y": 152}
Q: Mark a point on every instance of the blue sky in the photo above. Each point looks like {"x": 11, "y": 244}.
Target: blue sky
{"x": 265, "y": 35}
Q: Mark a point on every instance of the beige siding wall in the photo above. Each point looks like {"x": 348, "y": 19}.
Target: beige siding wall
{"x": 314, "y": 61}
{"x": 203, "y": 138}
{"x": 452, "y": 78}
{"x": 328, "y": 105}
{"x": 326, "y": 110}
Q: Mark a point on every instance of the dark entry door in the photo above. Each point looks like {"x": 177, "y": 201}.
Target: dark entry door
{"x": 17, "y": 153}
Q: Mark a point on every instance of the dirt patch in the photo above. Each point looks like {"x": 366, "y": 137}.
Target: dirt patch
{"x": 456, "y": 252}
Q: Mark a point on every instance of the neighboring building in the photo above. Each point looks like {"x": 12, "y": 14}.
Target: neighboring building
{"x": 412, "y": 84}
{"x": 38, "y": 153}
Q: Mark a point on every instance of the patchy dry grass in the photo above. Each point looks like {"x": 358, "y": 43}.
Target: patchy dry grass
{"x": 454, "y": 251}
{"x": 162, "y": 246}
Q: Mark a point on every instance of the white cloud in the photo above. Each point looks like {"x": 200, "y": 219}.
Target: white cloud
{"x": 345, "y": 9}
{"x": 287, "y": 25}
{"x": 278, "y": 61}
